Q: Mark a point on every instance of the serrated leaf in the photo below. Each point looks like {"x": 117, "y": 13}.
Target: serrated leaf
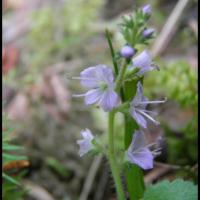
{"x": 175, "y": 190}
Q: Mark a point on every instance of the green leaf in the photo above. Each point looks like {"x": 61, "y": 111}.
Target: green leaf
{"x": 58, "y": 167}
{"x": 11, "y": 147}
{"x": 175, "y": 190}
{"x": 9, "y": 157}
{"x": 10, "y": 179}
{"x": 134, "y": 174}
{"x": 107, "y": 34}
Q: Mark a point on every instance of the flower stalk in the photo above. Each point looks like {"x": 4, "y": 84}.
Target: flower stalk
{"x": 121, "y": 90}
{"x": 120, "y": 77}
{"x": 111, "y": 156}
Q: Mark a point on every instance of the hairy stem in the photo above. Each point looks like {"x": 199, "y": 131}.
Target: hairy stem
{"x": 111, "y": 156}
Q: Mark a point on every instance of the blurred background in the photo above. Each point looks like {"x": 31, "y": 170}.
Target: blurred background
{"x": 46, "y": 42}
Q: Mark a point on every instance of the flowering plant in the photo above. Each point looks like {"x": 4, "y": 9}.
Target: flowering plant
{"x": 121, "y": 90}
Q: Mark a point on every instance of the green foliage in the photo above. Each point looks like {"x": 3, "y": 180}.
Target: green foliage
{"x": 176, "y": 190}
{"x": 11, "y": 191}
{"x": 11, "y": 186}
{"x": 178, "y": 81}
{"x": 57, "y": 30}
{"x": 55, "y": 165}
{"x": 54, "y": 37}
{"x": 132, "y": 27}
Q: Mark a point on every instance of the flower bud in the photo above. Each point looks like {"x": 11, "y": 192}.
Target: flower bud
{"x": 148, "y": 32}
{"x": 127, "y": 51}
{"x": 147, "y": 9}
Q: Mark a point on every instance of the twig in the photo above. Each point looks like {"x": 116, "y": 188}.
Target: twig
{"x": 102, "y": 184}
{"x": 175, "y": 167}
{"x": 194, "y": 167}
{"x": 169, "y": 28}
{"x": 194, "y": 26}
{"x": 155, "y": 174}
{"x": 90, "y": 178}
{"x": 36, "y": 191}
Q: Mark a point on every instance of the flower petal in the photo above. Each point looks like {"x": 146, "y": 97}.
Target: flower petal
{"x": 88, "y": 78}
{"x": 104, "y": 74}
{"x": 139, "y": 95}
{"x": 143, "y": 70}
{"x": 138, "y": 141}
{"x": 142, "y": 60}
{"x": 109, "y": 100}
{"x": 87, "y": 134}
{"x": 138, "y": 153}
{"x": 138, "y": 118}
{"x": 86, "y": 143}
{"x": 93, "y": 96}
{"x": 92, "y": 77}
{"x": 85, "y": 147}
{"x": 139, "y": 98}
{"x": 142, "y": 158}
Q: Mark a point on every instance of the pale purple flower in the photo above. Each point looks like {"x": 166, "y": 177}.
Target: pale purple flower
{"x": 86, "y": 143}
{"x": 143, "y": 62}
{"x": 148, "y": 32}
{"x": 138, "y": 108}
{"x": 147, "y": 9}
{"x": 138, "y": 152}
{"x": 127, "y": 51}
{"x": 100, "y": 82}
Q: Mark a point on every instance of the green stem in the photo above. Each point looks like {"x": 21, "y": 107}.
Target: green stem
{"x": 120, "y": 77}
{"x": 111, "y": 156}
{"x": 112, "y": 51}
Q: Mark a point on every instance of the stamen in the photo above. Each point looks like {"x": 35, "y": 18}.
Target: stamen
{"x": 80, "y": 78}
{"x": 157, "y": 149}
{"x": 148, "y": 111}
{"x": 152, "y": 102}
{"x": 155, "y": 66}
{"x": 151, "y": 144}
{"x": 156, "y": 154}
{"x": 148, "y": 116}
{"x": 78, "y": 95}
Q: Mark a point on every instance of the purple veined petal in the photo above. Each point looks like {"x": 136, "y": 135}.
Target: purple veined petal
{"x": 88, "y": 78}
{"x": 92, "y": 77}
{"x": 138, "y": 141}
{"x": 109, "y": 100}
{"x": 138, "y": 118}
{"x": 138, "y": 153}
{"x": 142, "y": 60}
{"x": 142, "y": 158}
{"x": 85, "y": 144}
{"x": 139, "y": 94}
{"x": 139, "y": 98}
{"x": 93, "y": 96}
{"x": 104, "y": 74}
